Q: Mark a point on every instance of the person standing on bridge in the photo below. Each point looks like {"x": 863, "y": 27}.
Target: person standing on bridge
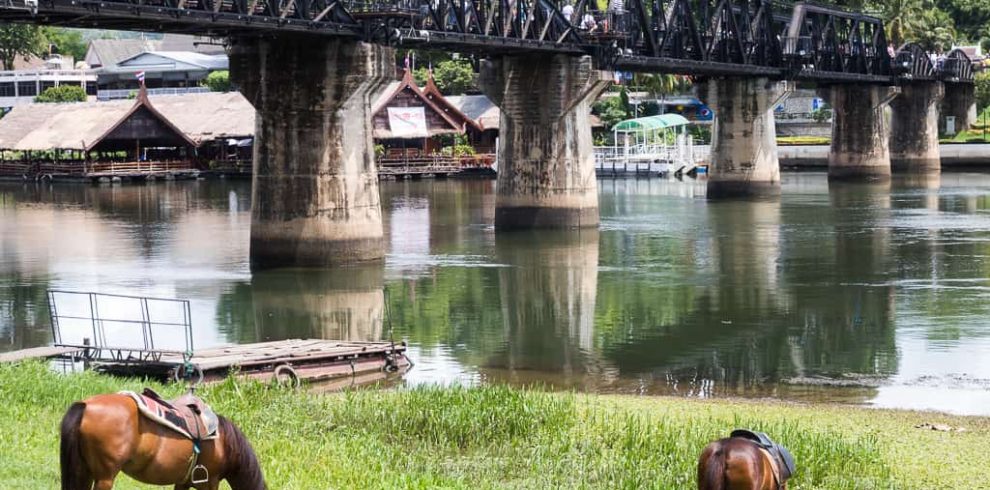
{"x": 568, "y": 12}
{"x": 588, "y": 22}
{"x": 616, "y": 9}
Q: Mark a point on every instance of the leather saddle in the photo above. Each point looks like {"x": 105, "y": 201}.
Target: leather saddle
{"x": 783, "y": 457}
{"x": 188, "y": 414}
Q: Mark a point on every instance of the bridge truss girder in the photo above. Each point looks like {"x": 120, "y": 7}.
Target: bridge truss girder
{"x": 691, "y": 37}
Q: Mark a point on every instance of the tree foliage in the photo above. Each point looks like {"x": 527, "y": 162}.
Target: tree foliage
{"x": 218, "y": 81}
{"x": 453, "y": 77}
{"x": 933, "y": 24}
{"x": 658, "y": 84}
{"x": 971, "y": 18}
{"x": 612, "y": 110}
{"x": 66, "y": 41}
{"x": 20, "y": 40}
{"x": 62, "y": 93}
{"x": 982, "y": 91}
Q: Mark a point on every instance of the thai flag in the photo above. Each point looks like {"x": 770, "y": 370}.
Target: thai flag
{"x": 140, "y": 76}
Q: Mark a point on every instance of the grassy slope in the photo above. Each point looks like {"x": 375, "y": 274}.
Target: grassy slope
{"x": 500, "y": 437}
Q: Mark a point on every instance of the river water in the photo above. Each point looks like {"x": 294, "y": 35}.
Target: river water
{"x": 852, "y": 293}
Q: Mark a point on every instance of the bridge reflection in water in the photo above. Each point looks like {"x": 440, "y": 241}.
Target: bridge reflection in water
{"x": 851, "y": 292}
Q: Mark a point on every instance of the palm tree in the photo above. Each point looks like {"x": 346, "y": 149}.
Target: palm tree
{"x": 658, "y": 84}
{"x": 902, "y": 18}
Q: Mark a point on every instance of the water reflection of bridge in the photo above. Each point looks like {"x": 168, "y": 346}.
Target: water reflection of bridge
{"x": 757, "y": 311}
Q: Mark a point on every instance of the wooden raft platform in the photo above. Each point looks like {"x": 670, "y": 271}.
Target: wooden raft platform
{"x": 314, "y": 360}
{"x": 49, "y": 352}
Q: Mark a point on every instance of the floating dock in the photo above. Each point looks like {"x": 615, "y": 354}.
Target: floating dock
{"x": 283, "y": 360}
{"x": 121, "y": 335}
{"x": 49, "y": 352}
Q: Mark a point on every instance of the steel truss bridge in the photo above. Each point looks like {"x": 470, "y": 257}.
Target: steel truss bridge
{"x": 748, "y": 38}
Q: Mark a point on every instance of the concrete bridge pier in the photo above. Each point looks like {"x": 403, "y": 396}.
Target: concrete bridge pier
{"x": 860, "y": 149}
{"x": 546, "y": 174}
{"x": 959, "y": 103}
{"x": 744, "y": 141}
{"x": 914, "y": 128}
{"x": 314, "y": 199}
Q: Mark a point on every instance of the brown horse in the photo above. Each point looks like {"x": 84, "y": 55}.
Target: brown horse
{"x": 106, "y": 434}
{"x": 736, "y": 463}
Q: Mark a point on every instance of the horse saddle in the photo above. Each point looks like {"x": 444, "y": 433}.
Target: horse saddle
{"x": 785, "y": 462}
{"x": 188, "y": 414}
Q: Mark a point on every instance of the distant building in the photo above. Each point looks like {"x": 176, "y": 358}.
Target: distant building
{"x": 162, "y": 69}
{"x": 106, "y": 53}
{"x": 173, "y": 64}
{"x": 109, "y": 52}
{"x": 975, "y": 52}
{"x": 18, "y": 87}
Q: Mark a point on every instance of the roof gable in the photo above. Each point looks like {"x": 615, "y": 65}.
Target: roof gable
{"x": 144, "y": 108}
{"x": 433, "y": 93}
{"x": 408, "y": 85}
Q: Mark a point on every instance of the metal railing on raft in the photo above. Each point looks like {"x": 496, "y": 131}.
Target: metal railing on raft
{"x": 135, "y": 328}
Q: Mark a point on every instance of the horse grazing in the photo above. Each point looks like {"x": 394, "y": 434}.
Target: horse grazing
{"x": 108, "y": 434}
{"x": 744, "y": 461}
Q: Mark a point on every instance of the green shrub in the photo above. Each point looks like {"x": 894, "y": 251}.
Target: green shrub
{"x": 983, "y": 91}
{"x": 218, "y": 81}
{"x": 62, "y": 93}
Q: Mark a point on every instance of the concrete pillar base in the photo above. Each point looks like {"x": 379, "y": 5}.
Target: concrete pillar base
{"x": 914, "y": 128}
{"x": 727, "y": 189}
{"x": 744, "y": 140}
{"x": 860, "y": 149}
{"x": 546, "y": 175}
{"x": 526, "y": 217}
{"x": 315, "y": 199}
{"x": 274, "y": 248}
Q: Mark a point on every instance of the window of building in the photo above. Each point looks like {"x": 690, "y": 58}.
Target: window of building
{"x": 91, "y": 88}
{"x": 27, "y": 89}
{"x": 7, "y": 89}
{"x": 46, "y": 85}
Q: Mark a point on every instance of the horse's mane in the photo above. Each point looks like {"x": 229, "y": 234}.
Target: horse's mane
{"x": 245, "y": 472}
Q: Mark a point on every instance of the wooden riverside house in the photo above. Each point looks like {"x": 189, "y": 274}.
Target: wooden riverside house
{"x": 415, "y": 132}
{"x": 174, "y": 136}
{"x": 167, "y": 136}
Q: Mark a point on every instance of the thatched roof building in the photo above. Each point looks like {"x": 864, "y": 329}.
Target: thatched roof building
{"x": 190, "y": 119}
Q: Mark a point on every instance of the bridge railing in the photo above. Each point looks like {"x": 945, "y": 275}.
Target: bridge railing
{"x": 404, "y": 8}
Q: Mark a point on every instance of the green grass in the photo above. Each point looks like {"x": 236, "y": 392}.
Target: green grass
{"x": 500, "y": 437}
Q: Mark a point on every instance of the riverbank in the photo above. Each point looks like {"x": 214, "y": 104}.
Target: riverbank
{"x": 955, "y": 156}
{"x": 506, "y": 438}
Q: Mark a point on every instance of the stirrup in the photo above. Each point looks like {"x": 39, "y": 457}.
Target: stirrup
{"x": 203, "y": 475}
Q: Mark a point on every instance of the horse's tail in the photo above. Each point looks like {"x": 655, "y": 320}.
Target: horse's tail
{"x": 75, "y": 474}
{"x": 711, "y": 470}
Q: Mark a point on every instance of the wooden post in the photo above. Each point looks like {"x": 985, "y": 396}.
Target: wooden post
{"x": 86, "y": 354}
